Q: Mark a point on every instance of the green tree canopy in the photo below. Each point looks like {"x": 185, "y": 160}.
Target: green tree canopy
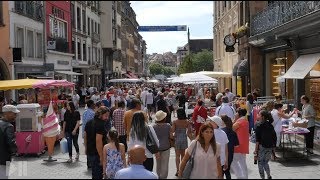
{"x": 197, "y": 62}
{"x": 156, "y": 68}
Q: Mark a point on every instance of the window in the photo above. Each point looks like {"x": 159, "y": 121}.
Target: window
{"x": 78, "y": 18}
{"x": 98, "y": 56}
{"x": 84, "y": 20}
{"x": 58, "y": 28}
{"x": 92, "y": 26}
{"x": 241, "y": 13}
{"x": 73, "y": 47}
{"x": 98, "y": 28}
{"x": 30, "y": 44}
{"x": 89, "y": 26}
{"x": 95, "y": 27}
{"x": 72, "y": 16}
{"x": 20, "y": 40}
{"x": 84, "y": 51}
{"x": 39, "y": 45}
{"x": 79, "y": 49}
{"x": 1, "y": 14}
{"x": 89, "y": 55}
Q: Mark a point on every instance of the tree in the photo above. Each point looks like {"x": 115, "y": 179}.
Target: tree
{"x": 156, "y": 68}
{"x": 203, "y": 61}
{"x": 197, "y": 62}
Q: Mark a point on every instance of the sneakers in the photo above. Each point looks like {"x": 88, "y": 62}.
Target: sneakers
{"x": 77, "y": 157}
{"x": 270, "y": 177}
{"x": 69, "y": 160}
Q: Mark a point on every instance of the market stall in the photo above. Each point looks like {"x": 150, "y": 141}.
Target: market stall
{"x": 31, "y": 124}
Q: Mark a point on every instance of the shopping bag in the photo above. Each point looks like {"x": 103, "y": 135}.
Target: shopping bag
{"x": 64, "y": 146}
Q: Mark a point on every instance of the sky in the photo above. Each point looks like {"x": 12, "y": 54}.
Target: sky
{"x": 197, "y": 15}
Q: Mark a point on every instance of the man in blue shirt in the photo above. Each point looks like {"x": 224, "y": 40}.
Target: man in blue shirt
{"x": 88, "y": 115}
{"x": 136, "y": 169}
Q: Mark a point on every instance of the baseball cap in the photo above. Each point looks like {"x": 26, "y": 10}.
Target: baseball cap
{"x": 217, "y": 120}
{"x": 10, "y": 108}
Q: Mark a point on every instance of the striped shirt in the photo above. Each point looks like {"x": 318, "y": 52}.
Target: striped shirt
{"x": 118, "y": 116}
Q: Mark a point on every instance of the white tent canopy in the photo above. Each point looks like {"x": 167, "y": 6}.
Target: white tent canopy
{"x": 125, "y": 80}
{"x": 215, "y": 74}
{"x": 192, "y": 78}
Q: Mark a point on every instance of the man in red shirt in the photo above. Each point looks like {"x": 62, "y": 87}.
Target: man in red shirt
{"x": 199, "y": 115}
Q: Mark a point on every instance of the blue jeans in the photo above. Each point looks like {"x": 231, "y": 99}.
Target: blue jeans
{"x": 96, "y": 167}
{"x": 72, "y": 138}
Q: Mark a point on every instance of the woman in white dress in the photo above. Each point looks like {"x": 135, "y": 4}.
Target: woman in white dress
{"x": 207, "y": 163}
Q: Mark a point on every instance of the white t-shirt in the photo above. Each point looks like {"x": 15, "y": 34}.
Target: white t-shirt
{"x": 225, "y": 108}
{"x": 95, "y": 98}
{"x": 222, "y": 139}
{"x": 113, "y": 99}
{"x": 149, "y": 98}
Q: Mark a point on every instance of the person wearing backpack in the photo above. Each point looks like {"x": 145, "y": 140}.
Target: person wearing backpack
{"x": 266, "y": 140}
{"x": 8, "y": 146}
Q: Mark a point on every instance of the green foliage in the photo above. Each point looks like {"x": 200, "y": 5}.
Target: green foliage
{"x": 197, "y": 62}
{"x": 156, "y": 68}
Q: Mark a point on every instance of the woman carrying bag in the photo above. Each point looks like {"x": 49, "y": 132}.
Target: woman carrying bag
{"x": 164, "y": 135}
{"x": 138, "y": 136}
{"x": 205, "y": 154}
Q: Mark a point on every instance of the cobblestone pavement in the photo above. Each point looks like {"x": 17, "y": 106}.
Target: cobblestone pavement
{"x": 296, "y": 168}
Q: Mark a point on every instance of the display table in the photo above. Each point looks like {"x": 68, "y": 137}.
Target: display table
{"x": 292, "y": 131}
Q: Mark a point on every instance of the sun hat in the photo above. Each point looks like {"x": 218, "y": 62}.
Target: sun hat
{"x": 217, "y": 120}
{"x": 160, "y": 115}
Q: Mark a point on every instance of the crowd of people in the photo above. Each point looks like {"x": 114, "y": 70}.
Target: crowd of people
{"x": 121, "y": 127}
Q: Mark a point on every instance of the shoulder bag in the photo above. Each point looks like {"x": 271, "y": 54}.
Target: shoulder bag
{"x": 150, "y": 142}
{"x": 190, "y": 163}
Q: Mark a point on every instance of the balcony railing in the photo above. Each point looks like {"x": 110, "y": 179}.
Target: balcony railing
{"x": 62, "y": 44}
{"x": 30, "y": 9}
{"x": 281, "y": 12}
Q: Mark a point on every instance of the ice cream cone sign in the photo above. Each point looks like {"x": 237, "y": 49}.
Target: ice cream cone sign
{"x": 51, "y": 125}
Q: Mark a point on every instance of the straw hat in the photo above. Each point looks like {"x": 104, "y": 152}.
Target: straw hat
{"x": 160, "y": 115}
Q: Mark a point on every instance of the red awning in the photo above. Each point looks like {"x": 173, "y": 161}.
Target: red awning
{"x": 128, "y": 76}
{"x": 132, "y": 75}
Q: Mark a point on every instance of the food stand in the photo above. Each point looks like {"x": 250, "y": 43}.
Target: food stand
{"x": 31, "y": 124}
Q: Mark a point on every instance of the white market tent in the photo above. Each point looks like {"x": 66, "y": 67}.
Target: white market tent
{"x": 215, "y": 74}
{"x": 153, "y": 81}
{"x": 193, "y": 78}
{"x": 125, "y": 80}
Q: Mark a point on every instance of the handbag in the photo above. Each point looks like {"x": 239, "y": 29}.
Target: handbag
{"x": 64, "y": 146}
{"x": 189, "y": 166}
{"x": 150, "y": 142}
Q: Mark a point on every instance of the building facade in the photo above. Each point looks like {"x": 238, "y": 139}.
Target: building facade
{"x": 27, "y": 34}
{"x": 5, "y": 48}
{"x": 59, "y": 36}
{"x": 86, "y": 42}
{"x": 226, "y": 21}
{"x": 287, "y": 37}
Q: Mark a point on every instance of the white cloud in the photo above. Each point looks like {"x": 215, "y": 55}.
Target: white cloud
{"x": 197, "y": 15}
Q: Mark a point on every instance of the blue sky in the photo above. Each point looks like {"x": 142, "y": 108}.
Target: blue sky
{"x": 197, "y": 15}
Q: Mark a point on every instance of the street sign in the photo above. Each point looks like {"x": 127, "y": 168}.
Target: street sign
{"x": 162, "y": 28}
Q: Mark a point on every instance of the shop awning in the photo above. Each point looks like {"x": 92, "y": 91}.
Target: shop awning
{"x": 302, "y": 66}
{"x": 17, "y": 84}
{"x": 127, "y": 75}
{"x": 216, "y": 74}
{"x": 243, "y": 69}
{"x": 69, "y": 73}
{"x": 235, "y": 68}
